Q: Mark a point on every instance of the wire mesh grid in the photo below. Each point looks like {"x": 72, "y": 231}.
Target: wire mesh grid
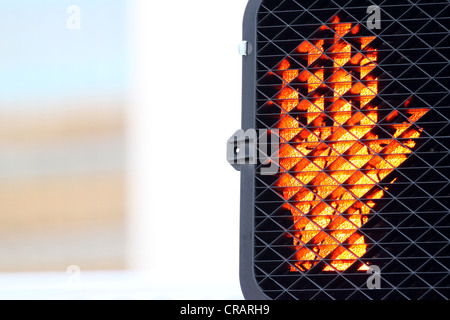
{"x": 333, "y": 87}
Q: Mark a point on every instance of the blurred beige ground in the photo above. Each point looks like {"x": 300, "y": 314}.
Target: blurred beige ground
{"x": 62, "y": 190}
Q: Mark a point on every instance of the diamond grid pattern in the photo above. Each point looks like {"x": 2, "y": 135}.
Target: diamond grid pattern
{"x": 407, "y": 230}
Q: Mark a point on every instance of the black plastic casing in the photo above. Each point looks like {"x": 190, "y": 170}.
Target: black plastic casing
{"x": 249, "y": 287}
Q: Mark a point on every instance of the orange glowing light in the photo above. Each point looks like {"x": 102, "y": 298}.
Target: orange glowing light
{"x": 332, "y": 159}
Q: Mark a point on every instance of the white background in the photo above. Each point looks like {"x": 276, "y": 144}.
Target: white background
{"x": 185, "y": 104}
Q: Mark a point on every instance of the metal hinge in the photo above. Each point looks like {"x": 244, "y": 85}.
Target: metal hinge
{"x": 249, "y": 147}
{"x": 245, "y": 48}
{"x": 241, "y": 148}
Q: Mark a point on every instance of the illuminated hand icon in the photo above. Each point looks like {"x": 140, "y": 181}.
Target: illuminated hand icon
{"x": 337, "y": 144}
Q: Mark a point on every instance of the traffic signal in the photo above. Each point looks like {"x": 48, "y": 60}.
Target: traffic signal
{"x": 348, "y": 103}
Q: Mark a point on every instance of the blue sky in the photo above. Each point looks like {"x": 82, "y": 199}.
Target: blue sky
{"x": 40, "y": 58}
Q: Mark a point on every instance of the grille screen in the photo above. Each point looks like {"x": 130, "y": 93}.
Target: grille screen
{"x": 363, "y": 122}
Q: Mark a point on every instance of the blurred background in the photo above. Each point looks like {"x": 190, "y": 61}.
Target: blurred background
{"x": 114, "y": 117}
